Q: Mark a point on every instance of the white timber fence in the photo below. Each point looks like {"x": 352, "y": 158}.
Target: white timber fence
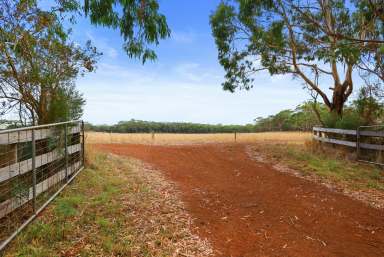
{"x": 36, "y": 163}
{"x": 366, "y": 141}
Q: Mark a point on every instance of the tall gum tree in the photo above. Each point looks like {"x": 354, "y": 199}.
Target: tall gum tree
{"x": 39, "y": 64}
{"x": 310, "y": 39}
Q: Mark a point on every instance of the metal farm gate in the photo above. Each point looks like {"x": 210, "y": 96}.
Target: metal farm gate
{"x": 36, "y": 163}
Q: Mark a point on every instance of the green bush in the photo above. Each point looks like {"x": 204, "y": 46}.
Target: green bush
{"x": 350, "y": 120}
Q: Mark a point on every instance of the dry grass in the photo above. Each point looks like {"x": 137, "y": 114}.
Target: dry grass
{"x": 325, "y": 165}
{"x": 113, "y": 209}
{"x": 171, "y": 139}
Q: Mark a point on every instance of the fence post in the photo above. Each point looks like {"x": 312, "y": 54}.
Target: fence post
{"x": 83, "y": 142}
{"x": 235, "y": 136}
{"x": 66, "y": 150}
{"x": 358, "y": 143}
{"x": 34, "y": 171}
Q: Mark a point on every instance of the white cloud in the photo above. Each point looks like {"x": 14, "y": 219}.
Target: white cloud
{"x": 111, "y": 52}
{"x": 187, "y": 92}
{"x": 183, "y": 37}
{"x": 196, "y": 73}
{"x": 102, "y": 45}
{"x": 188, "y": 71}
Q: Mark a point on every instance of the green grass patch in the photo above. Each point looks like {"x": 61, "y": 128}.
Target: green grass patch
{"x": 107, "y": 211}
{"x": 310, "y": 160}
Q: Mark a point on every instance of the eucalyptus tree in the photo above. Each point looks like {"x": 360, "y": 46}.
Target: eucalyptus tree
{"x": 369, "y": 19}
{"x": 139, "y": 21}
{"x": 39, "y": 63}
{"x": 309, "y": 39}
{"x": 368, "y": 106}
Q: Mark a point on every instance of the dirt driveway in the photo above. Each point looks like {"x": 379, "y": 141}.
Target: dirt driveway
{"x": 246, "y": 208}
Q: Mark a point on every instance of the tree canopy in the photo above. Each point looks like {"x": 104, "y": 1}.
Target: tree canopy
{"x": 366, "y": 109}
{"x": 308, "y": 39}
{"x": 139, "y": 22}
{"x": 39, "y": 64}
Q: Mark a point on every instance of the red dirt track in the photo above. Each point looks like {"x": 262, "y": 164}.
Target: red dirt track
{"x": 246, "y": 208}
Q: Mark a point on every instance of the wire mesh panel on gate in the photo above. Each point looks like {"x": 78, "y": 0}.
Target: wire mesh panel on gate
{"x": 35, "y": 162}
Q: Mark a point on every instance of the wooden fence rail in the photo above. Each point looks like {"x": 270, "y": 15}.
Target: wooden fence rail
{"x": 352, "y": 138}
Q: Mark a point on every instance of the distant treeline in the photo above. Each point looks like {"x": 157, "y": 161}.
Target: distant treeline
{"x": 367, "y": 109}
{"x": 140, "y": 126}
{"x": 303, "y": 118}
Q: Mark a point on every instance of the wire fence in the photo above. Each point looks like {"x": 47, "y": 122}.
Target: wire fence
{"x": 36, "y": 163}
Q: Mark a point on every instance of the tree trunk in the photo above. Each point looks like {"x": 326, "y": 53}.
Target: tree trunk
{"x": 338, "y": 101}
{"x": 317, "y": 113}
{"x": 42, "y": 110}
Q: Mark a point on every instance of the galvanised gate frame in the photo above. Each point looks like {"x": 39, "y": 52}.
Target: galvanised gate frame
{"x": 36, "y": 163}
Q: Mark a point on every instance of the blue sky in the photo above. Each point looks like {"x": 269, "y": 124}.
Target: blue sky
{"x": 184, "y": 84}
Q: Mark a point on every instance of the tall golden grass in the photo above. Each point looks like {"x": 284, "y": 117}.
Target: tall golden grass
{"x": 171, "y": 139}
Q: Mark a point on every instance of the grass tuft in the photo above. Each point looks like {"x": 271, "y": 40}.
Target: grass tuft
{"x": 111, "y": 209}
{"x": 67, "y": 206}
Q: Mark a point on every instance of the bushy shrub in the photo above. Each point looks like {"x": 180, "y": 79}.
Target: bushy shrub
{"x": 350, "y": 120}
